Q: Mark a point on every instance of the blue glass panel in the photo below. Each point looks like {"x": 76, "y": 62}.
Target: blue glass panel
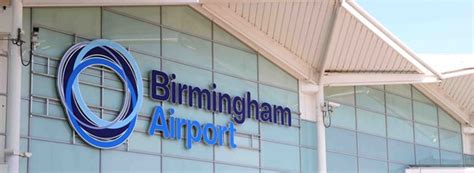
{"x": 185, "y": 19}
{"x": 340, "y": 163}
{"x": 403, "y": 90}
{"x": 174, "y": 165}
{"x": 220, "y": 168}
{"x": 401, "y": 152}
{"x": 344, "y": 94}
{"x": 397, "y": 168}
{"x": 235, "y": 62}
{"x": 57, "y": 157}
{"x": 287, "y": 159}
{"x": 143, "y": 142}
{"x": 425, "y": 113}
{"x": 339, "y": 140}
{"x": 131, "y": 33}
{"x": 370, "y": 98}
{"x": 52, "y": 129}
{"x": 372, "y": 146}
{"x": 308, "y": 135}
{"x": 240, "y": 156}
{"x": 86, "y": 21}
{"x": 370, "y": 122}
{"x": 309, "y": 160}
{"x": 399, "y": 129}
{"x": 427, "y": 156}
{"x": 399, "y": 106}
{"x": 126, "y": 162}
{"x": 187, "y": 49}
{"x": 372, "y": 166}
{"x": 344, "y": 116}
{"x": 448, "y": 122}
{"x": 451, "y": 158}
{"x": 271, "y": 74}
{"x": 426, "y": 135}
{"x": 450, "y": 140}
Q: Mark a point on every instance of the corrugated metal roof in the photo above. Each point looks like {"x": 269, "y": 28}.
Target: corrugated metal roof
{"x": 302, "y": 28}
{"x": 461, "y": 89}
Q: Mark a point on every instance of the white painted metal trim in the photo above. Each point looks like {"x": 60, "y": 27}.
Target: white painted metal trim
{"x": 351, "y": 79}
{"x": 72, "y": 3}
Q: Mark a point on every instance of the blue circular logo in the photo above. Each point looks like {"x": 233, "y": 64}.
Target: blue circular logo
{"x": 91, "y": 128}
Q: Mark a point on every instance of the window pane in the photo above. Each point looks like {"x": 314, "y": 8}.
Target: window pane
{"x": 220, "y": 168}
{"x": 372, "y": 146}
{"x": 339, "y": 140}
{"x": 403, "y": 90}
{"x": 427, "y": 156}
{"x": 399, "y": 106}
{"x": 308, "y": 160}
{"x": 370, "y": 98}
{"x": 131, "y": 33}
{"x": 397, "y": 168}
{"x": 123, "y": 162}
{"x": 448, "y": 122}
{"x": 141, "y": 141}
{"x": 150, "y": 14}
{"x": 372, "y": 166}
{"x": 274, "y": 75}
{"x": 339, "y": 163}
{"x": 176, "y": 148}
{"x": 450, "y": 158}
{"x": 450, "y": 140}
{"x": 417, "y": 95}
{"x": 276, "y": 96}
{"x": 221, "y": 36}
{"x": 238, "y": 155}
{"x": 287, "y": 158}
{"x": 173, "y": 165}
{"x": 53, "y": 44}
{"x": 56, "y": 157}
{"x": 344, "y": 116}
{"x": 53, "y": 129}
{"x": 425, "y": 113}
{"x": 371, "y": 122}
{"x": 274, "y": 132}
{"x": 401, "y": 152}
{"x": 400, "y": 129}
{"x": 81, "y": 21}
{"x": 187, "y": 49}
{"x": 468, "y": 160}
{"x": 235, "y": 62}
{"x": 185, "y": 19}
{"x": 426, "y": 135}
{"x": 308, "y": 134}
{"x": 340, "y": 94}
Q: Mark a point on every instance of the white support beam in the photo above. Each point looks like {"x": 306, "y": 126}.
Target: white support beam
{"x": 437, "y": 95}
{"x": 351, "y": 79}
{"x": 258, "y": 40}
{"x": 82, "y": 3}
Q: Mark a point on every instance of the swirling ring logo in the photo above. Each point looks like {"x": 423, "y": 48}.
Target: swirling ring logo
{"x": 91, "y": 128}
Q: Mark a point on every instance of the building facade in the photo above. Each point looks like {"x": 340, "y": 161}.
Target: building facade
{"x": 382, "y": 127}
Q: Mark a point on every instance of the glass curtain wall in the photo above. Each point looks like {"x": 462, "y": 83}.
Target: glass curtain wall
{"x": 387, "y": 128}
{"x": 174, "y": 39}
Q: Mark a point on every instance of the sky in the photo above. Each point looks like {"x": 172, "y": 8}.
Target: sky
{"x": 427, "y": 26}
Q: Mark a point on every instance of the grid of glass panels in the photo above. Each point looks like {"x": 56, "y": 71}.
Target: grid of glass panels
{"x": 387, "y": 128}
{"x": 172, "y": 39}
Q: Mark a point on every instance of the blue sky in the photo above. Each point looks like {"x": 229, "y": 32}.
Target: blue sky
{"x": 428, "y": 26}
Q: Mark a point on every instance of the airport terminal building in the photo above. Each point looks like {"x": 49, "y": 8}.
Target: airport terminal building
{"x": 232, "y": 86}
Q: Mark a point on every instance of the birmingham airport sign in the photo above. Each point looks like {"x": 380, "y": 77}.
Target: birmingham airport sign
{"x": 163, "y": 87}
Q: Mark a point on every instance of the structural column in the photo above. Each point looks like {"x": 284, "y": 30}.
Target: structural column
{"x": 322, "y": 167}
{"x": 14, "y": 93}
